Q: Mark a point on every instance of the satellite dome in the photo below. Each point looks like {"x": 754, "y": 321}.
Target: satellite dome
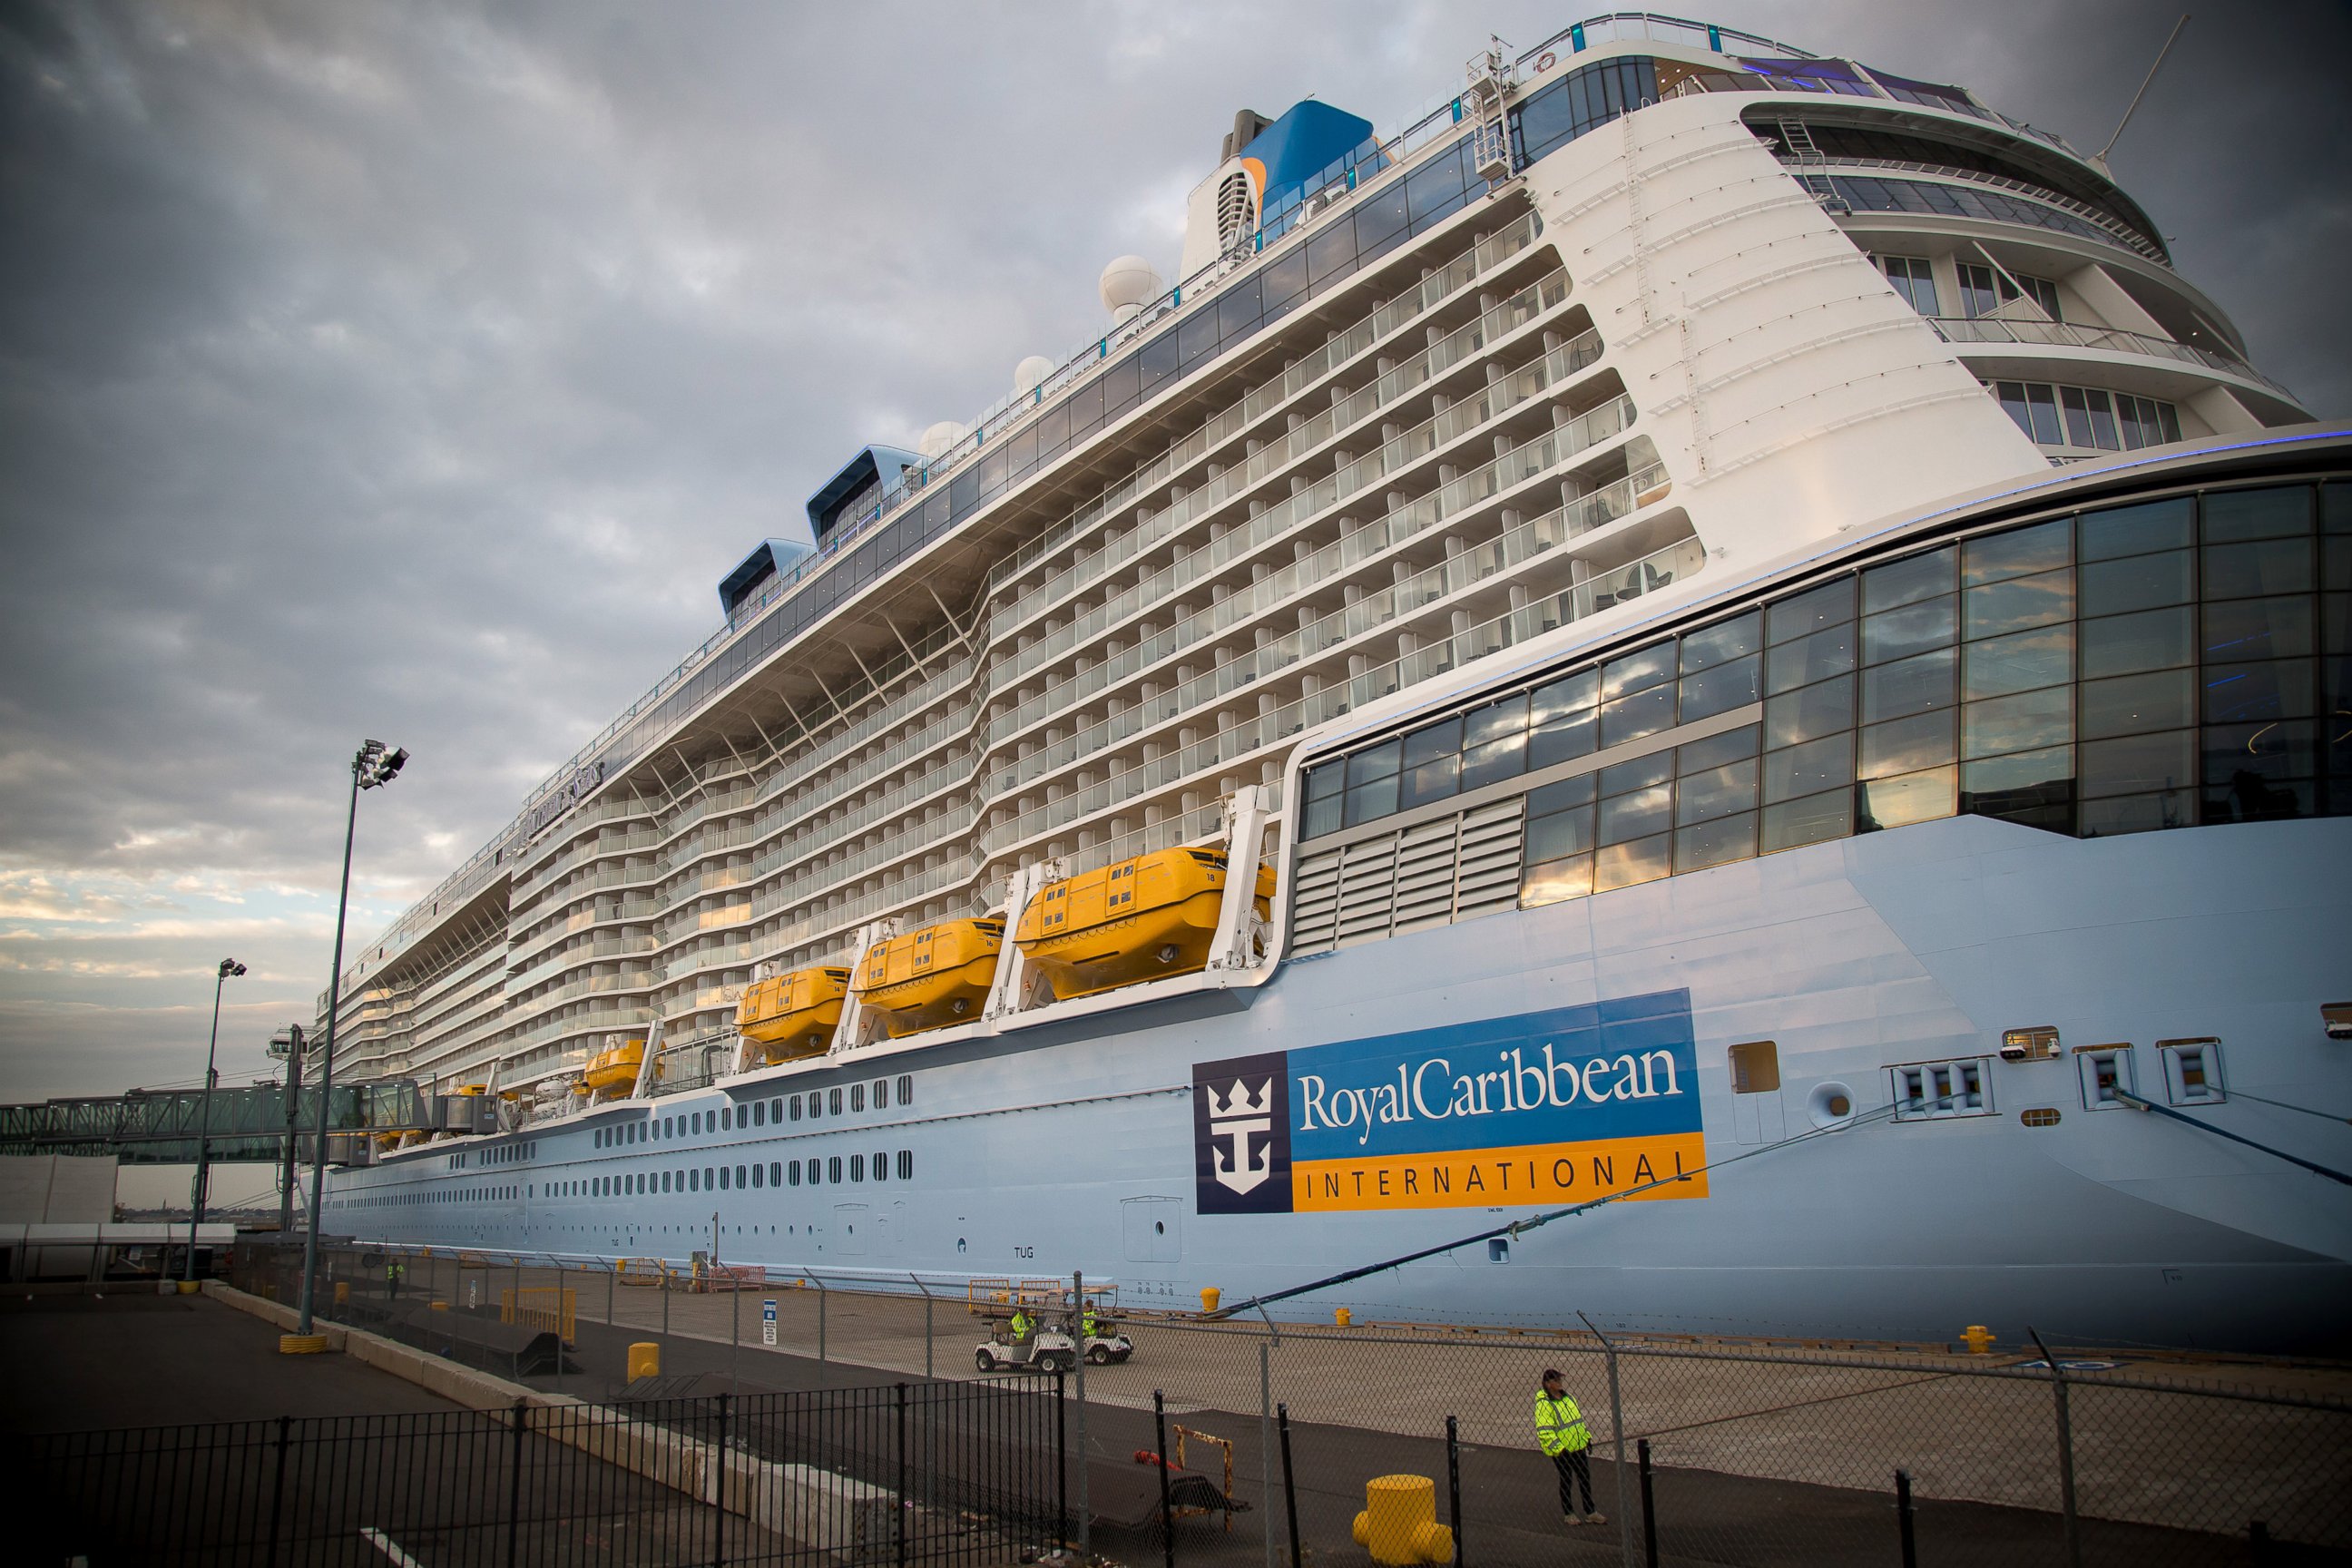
{"x": 1128, "y": 284}
{"x": 1031, "y": 373}
{"x": 939, "y": 438}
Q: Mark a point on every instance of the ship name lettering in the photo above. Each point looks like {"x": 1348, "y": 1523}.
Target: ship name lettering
{"x": 1521, "y": 1084}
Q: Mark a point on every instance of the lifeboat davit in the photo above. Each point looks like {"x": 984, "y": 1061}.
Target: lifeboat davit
{"x": 612, "y": 1073}
{"x": 792, "y": 1016}
{"x": 929, "y": 978}
{"x": 1136, "y": 920}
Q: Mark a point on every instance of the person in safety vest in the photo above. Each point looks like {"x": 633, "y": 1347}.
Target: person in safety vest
{"x": 1561, "y": 1432}
{"x": 1086, "y": 1322}
{"x": 393, "y": 1272}
{"x": 1022, "y": 1325}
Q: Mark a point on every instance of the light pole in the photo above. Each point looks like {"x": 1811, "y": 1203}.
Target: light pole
{"x": 372, "y": 766}
{"x": 229, "y": 968}
{"x": 288, "y": 1043}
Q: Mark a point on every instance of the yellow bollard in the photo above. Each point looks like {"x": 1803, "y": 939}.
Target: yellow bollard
{"x": 301, "y": 1344}
{"x": 1399, "y": 1523}
{"x": 187, "y": 1286}
{"x": 1210, "y": 1297}
{"x": 645, "y": 1360}
{"x": 1341, "y": 1315}
{"x": 1977, "y": 1337}
{"x": 439, "y": 1306}
{"x": 342, "y": 1292}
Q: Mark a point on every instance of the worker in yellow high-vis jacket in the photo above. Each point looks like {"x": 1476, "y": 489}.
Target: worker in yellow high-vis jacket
{"x": 1561, "y": 1432}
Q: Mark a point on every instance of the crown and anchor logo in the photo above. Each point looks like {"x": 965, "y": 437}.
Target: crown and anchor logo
{"x": 1234, "y": 1116}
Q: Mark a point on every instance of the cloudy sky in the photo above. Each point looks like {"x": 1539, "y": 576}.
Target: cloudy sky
{"x": 416, "y": 370}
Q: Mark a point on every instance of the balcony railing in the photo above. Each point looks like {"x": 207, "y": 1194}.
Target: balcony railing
{"x": 2071, "y": 335}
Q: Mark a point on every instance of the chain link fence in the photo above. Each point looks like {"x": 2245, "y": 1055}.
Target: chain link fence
{"x": 1717, "y": 1452}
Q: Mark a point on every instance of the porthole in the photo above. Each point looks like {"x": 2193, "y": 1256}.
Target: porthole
{"x": 1830, "y": 1104}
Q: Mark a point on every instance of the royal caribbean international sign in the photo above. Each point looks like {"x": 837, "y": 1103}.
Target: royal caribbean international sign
{"x": 1546, "y": 1108}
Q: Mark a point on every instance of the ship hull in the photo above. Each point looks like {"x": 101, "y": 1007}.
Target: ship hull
{"x": 1105, "y": 1143}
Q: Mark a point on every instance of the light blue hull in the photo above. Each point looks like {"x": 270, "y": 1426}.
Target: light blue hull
{"x": 1073, "y": 1146}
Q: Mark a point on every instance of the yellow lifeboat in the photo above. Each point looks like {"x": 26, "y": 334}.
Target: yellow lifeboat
{"x": 929, "y": 978}
{"x": 792, "y": 1016}
{"x": 612, "y": 1072}
{"x": 1138, "y": 920}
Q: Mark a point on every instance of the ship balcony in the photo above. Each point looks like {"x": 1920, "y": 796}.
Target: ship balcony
{"x": 1492, "y": 332}
{"x": 1411, "y": 458}
{"x": 2138, "y": 362}
{"x": 531, "y": 945}
{"x": 606, "y": 947}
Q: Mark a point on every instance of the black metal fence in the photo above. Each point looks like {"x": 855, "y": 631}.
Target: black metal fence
{"x": 931, "y": 1473}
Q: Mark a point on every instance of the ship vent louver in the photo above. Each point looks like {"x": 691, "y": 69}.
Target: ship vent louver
{"x": 1432, "y": 873}
{"x": 1236, "y": 211}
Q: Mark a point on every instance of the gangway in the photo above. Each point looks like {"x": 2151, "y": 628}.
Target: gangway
{"x": 244, "y": 1124}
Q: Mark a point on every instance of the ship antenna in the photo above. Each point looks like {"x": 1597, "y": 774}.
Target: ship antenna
{"x": 2099, "y": 159}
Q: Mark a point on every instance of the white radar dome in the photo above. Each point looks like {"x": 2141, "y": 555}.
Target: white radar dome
{"x": 1128, "y": 284}
{"x": 939, "y": 437}
{"x": 1031, "y": 373}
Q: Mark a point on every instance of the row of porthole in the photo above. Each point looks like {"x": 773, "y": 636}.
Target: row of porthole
{"x": 819, "y": 1103}
{"x": 815, "y": 1171}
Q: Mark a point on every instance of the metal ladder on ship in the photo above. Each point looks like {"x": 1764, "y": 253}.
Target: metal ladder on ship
{"x": 1490, "y": 74}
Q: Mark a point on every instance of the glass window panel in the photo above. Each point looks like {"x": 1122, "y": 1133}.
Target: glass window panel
{"x": 1815, "y": 711}
{"x": 1895, "y": 634}
{"x": 2273, "y": 512}
{"x": 1803, "y": 770}
{"x": 1907, "y": 582}
{"x": 1496, "y": 719}
{"x": 1561, "y": 796}
{"x": 2336, "y": 506}
{"x": 1369, "y": 802}
{"x": 2036, "y": 719}
{"x": 2335, "y": 624}
{"x": 2243, "y": 761}
{"x": 1830, "y": 604}
{"x": 1637, "y": 671}
{"x": 1373, "y": 762}
{"x": 1430, "y": 781}
{"x": 1577, "y": 693}
{"x": 1718, "y": 792}
{"x": 1432, "y": 741}
{"x": 2137, "y": 814}
{"x": 2017, "y": 554}
{"x": 1559, "y": 834}
{"x": 2021, "y": 661}
{"x": 1926, "y": 796}
{"x": 1715, "y": 843}
{"x": 1323, "y": 816}
{"x": 2153, "y": 640}
{"x": 1722, "y": 643}
{"x": 1829, "y": 815}
{"x": 2250, "y": 571}
{"x": 2035, "y": 788}
{"x": 1495, "y": 761}
{"x": 1635, "y": 815}
{"x": 1915, "y": 685}
{"x": 1719, "y": 690}
{"x": 2078, "y": 416}
{"x": 2044, "y": 400}
{"x": 1641, "y": 772}
{"x": 2103, "y": 421}
{"x": 2012, "y": 402}
{"x": 1623, "y": 865}
{"x": 2335, "y": 564}
{"x": 2241, "y": 629}
{"x": 1907, "y": 745}
{"x": 2138, "y": 763}
{"x": 1806, "y": 660}
{"x": 2137, "y": 582}
{"x": 2251, "y": 694}
{"x": 2017, "y": 603}
{"x": 1554, "y": 880}
{"x": 1561, "y": 740}
{"x": 1698, "y": 756}
{"x": 1633, "y": 717}
{"x": 2129, "y": 704}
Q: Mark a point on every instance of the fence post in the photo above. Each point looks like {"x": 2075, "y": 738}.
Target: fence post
{"x": 927, "y": 1334}
{"x": 1061, "y": 1463}
{"x": 898, "y": 1514}
{"x": 1453, "y": 1485}
{"x": 822, "y": 1296}
{"x": 734, "y": 1328}
{"x": 664, "y": 1276}
{"x": 1160, "y": 1458}
{"x": 1617, "y": 1440}
{"x": 1903, "y": 1519}
{"x": 514, "y": 1487}
{"x": 1265, "y": 1432}
{"x": 1086, "y": 1503}
{"x": 719, "y": 1493}
{"x": 612, "y": 1280}
{"x": 1290, "y": 1494}
{"x": 2065, "y": 1455}
{"x": 2258, "y": 1543}
{"x": 277, "y": 1494}
{"x": 1648, "y": 1511}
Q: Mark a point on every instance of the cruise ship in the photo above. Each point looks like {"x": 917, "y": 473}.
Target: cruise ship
{"x": 1708, "y": 646}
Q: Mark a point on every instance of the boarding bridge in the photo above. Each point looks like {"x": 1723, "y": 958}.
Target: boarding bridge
{"x": 244, "y": 1124}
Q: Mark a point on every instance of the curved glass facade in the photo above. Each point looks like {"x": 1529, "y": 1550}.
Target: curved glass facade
{"x": 2181, "y": 660}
